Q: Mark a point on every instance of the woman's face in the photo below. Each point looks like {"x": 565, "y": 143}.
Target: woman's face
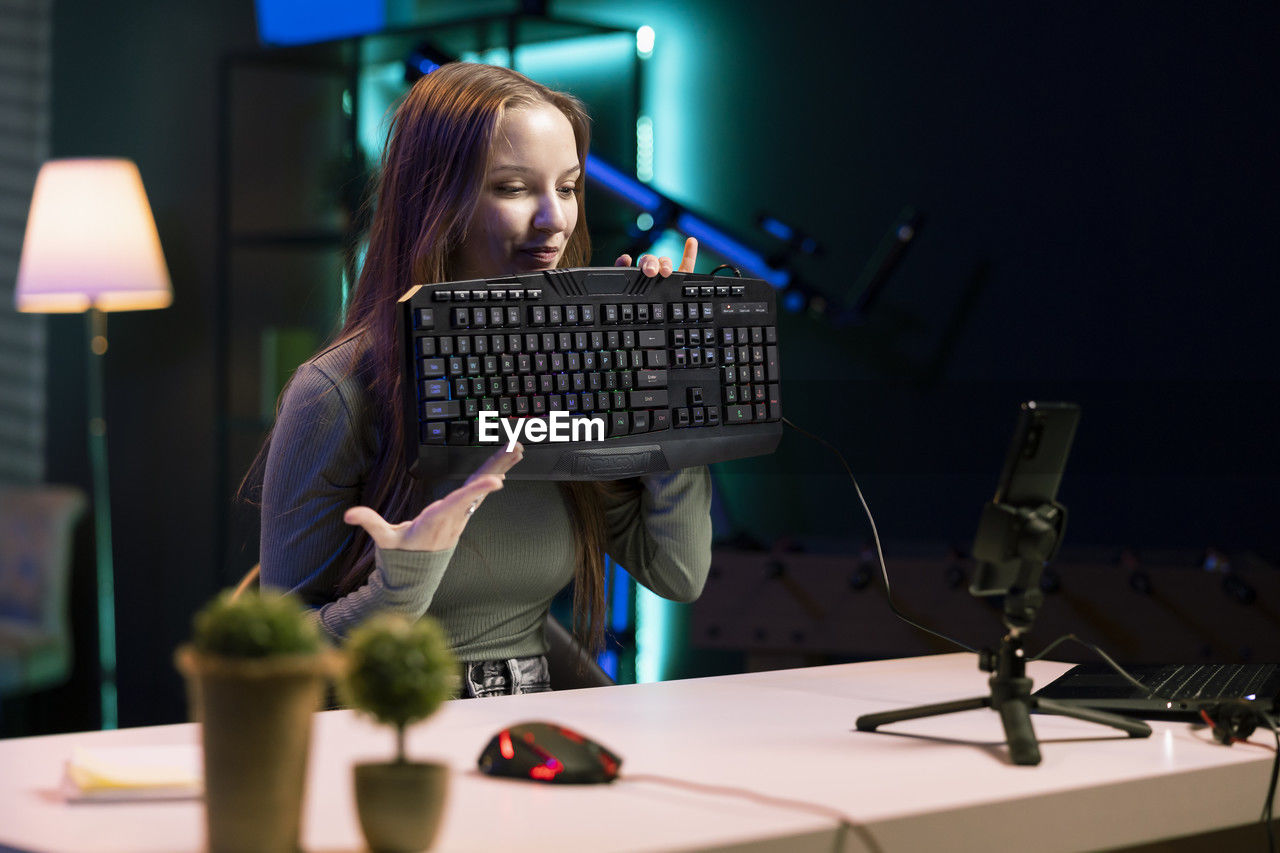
{"x": 528, "y": 204}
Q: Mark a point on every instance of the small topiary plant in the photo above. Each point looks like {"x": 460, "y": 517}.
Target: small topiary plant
{"x": 398, "y": 671}
{"x": 256, "y": 625}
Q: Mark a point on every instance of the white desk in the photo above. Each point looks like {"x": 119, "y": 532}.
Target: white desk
{"x": 940, "y": 783}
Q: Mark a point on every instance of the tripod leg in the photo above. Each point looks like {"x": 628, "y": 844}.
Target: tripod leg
{"x": 869, "y": 722}
{"x": 1018, "y": 733}
{"x": 1134, "y": 728}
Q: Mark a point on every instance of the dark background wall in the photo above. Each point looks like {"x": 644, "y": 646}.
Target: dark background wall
{"x": 1101, "y": 191}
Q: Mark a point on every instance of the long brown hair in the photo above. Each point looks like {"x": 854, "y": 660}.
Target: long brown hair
{"x": 433, "y": 170}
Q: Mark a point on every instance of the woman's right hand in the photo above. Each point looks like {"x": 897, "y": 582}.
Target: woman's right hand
{"x": 439, "y": 525}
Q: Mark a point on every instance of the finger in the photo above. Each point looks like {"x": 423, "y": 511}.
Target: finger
{"x": 664, "y": 267}
{"x": 500, "y": 462}
{"x": 461, "y": 498}
{"x": 648, "y": 265}
{"x": 375, "y": 525}
{"x": 690, "y": 255}
{"x": 623, "y": 261}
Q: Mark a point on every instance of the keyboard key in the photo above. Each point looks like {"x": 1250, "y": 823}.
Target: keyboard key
{"x": 681, "y": 417}
{"x": 651, "y": 379}
{"x": 424, "y": 318}
{"x": 639, "y": 422}
{"x": 619, "y": 423}
{"x": 439, "y": 410}
{"x": 432, "y": 367}
{"x": 461, "y": 318}
{"x": 762, "y": 412}
{"x": 661, "y": 420}
{"x": 771, "y": 363}
{"x": 433, "y": 432}
{"x": 655, "y": 358}
{"x": 737, "y": 414}
{"x": 651, "y": 399}
{"x": 435, "y": 389}
{"x": 713, "y": 416}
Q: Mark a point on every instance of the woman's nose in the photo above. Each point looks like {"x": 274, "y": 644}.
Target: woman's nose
{"x": 550, "y": 216}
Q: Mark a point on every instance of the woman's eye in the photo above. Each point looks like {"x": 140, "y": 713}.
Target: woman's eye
{"x": 509, "y": 189}
{"x": 569, "y": 190}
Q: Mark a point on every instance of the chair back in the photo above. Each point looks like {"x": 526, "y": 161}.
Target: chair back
{"x": 37, "y": 524}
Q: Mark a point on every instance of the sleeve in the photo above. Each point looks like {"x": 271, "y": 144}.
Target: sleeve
{"x": 661, "y": 533}
{"x": 319, "y": 456}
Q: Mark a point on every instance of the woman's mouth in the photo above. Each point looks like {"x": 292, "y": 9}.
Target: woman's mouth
{"x": 544, "y": 256}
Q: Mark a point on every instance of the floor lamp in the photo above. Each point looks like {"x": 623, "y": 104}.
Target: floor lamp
{"x": 91, "y": 246}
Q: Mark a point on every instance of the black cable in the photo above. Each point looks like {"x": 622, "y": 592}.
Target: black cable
{"x": 1271, "y": 789}
{"x": 737, "y": 272}
{"x": 1106, "y": 657}
{"x": 876, "y": 536}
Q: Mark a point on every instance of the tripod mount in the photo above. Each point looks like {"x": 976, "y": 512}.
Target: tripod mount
{"x": 1013, "y": 545}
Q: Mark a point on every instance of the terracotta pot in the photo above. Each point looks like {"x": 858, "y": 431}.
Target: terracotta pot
{"x": 255, "y": 717}
{"x": 400, "y": 804}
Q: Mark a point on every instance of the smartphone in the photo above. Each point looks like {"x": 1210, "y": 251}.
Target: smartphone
{"x": 1029, "y": 480}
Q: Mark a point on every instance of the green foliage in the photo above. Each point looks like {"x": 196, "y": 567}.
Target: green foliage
{"x": 255, "y": 625}
{"x": 398, "y": 671}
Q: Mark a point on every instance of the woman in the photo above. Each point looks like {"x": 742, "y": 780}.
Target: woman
{"x": 482, "y": 176}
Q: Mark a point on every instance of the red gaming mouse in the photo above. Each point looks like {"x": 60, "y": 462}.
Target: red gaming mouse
{"x": 548, "y": 752}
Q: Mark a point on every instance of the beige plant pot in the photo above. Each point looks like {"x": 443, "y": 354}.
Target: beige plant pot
{"x": 255, "y": 717}
{"x": 400, "y": 804}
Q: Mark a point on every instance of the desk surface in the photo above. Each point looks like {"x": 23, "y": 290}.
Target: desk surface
{"x": 787, "y": 734}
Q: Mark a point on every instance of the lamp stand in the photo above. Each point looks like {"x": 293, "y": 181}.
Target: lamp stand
{"x": 102, "y": 521}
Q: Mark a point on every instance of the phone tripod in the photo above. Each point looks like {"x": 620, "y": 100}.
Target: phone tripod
{"x": 1010, "y": 695}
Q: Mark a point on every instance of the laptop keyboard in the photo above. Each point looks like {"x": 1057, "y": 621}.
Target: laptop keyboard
{"x": 1207, "y": 681}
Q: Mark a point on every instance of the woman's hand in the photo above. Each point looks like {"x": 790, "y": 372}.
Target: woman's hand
{"x": 652, "y": 266}
{"x": 438, "y": 527}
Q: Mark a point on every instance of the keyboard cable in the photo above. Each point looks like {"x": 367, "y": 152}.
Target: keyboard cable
{"x": 875, "y": 534}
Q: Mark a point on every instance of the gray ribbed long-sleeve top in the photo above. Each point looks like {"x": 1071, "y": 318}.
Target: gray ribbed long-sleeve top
{"x": 492, "y": 591}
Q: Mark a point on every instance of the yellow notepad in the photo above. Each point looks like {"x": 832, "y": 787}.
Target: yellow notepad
{"x": 134, "y": 773}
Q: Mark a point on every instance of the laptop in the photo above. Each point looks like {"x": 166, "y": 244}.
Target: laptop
{"x": 1173, "y": 691}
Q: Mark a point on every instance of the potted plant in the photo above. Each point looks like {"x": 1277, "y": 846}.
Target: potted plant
{"x": 256, "y": 668}
{"x": 399, "y": 672}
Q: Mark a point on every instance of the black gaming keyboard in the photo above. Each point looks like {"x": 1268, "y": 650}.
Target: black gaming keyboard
{"x": 628, "y": 374}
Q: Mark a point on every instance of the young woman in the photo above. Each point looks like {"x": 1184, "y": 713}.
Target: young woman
{"x": 482, "y": 176}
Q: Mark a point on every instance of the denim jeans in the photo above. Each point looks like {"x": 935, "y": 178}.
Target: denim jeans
{"x": 505, "y": 677}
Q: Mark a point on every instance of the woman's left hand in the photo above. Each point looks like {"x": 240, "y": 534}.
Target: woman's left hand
{"x": 651, "y": 265}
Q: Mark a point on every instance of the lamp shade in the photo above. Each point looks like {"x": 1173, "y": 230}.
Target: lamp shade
{"x": 91, "y": 241}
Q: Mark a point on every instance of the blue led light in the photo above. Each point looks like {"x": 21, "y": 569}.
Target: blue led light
{"x": 426, "y": 66}
{"x": 733, "y": 251}
{"x": 777, "y": 228}
{"x": 623, "y": 185}
{"x": 793, "y": 301}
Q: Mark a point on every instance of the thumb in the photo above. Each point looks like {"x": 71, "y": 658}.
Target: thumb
{"x": 375, "y": 525}
{"x": 623, "y": 261}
